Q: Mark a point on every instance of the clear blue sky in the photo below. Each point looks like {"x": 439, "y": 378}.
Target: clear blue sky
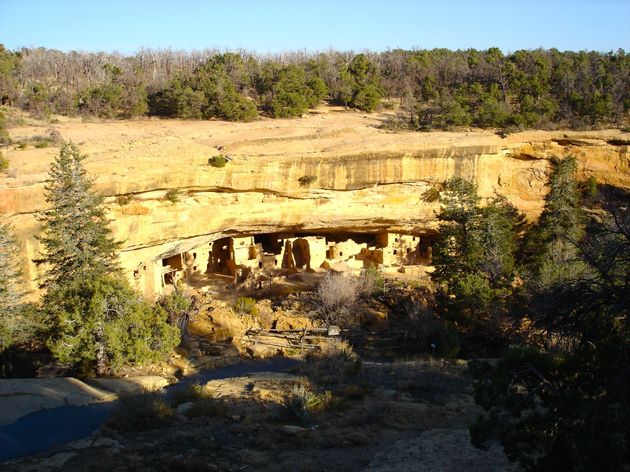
{"x": 273, "y": 26}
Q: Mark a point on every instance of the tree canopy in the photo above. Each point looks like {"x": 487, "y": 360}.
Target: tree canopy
{"x": 436, "y": 88}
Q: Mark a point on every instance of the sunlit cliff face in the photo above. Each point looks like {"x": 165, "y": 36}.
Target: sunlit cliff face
{"x": 332, "y": 172}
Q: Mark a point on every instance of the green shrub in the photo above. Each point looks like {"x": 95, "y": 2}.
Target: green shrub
{"x": 307, "y": 180}
{"x": 371, "y": 282}
{"x": 367, "y": 98}
{"x": 141, "y": 412}
{"x": 177, "y": 306}
{"x": 245, "y": 306}
{"x": 4, "y": 163}
{"x": 123, "y": 200}
{"x": 218, "y": 161}
{"x": 172, "y": 195}
{"x": 301, "y": 403}
{"x": 86, "y": 332}
{"x": 4, "y": 135}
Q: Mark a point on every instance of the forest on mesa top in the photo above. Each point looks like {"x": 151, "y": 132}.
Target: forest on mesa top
{"x": 436, "y": 88}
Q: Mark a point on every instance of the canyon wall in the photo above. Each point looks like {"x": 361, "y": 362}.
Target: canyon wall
{"x": 333, "y": 171}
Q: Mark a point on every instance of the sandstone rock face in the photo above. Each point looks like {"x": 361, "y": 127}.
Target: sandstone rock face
{"x": 330, "y": 171}
{"x": 20, "y": 397}
{"x": 23, "y": 396}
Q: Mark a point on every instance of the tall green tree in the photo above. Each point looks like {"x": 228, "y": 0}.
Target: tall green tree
{"x": 76, "y": 238}
{"x": 474, "y": 259}
{"x": 563, "y": 404}
{"x": 11, "y": 289}
{"x": 96, "y": 321}
{"x": 551, "y": 248}
{"x": 458, "y": 247}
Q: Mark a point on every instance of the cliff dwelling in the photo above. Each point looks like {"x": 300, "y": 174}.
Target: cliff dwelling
{"x": 260, "y": 257}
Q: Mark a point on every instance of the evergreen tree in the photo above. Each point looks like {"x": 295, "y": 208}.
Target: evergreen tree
{"x": 551, "y": 248}
{"x": 457, "y": 249}
{"x": 101, "y": 325}
{"x": 11, "y": 290}
{"x": 562, "y": 403}
{"x": 77, "y": 241}
{"x": 474, "y": 260}
{"x": 96, "y": 320}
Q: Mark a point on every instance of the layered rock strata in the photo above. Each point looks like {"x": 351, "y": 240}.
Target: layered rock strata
{"x": 332, "y": 171}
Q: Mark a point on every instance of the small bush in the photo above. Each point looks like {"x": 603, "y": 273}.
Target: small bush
{"x": 371, "y": 282}
{"x": 177, "y": 306}
{"x": 337, "y": 295}
{"x": 172, "y": 195}
{"x": 123, "y": 200}
{"x": 218, "y": 161}
{"x": 301, "y": 403}
{"x": 192, "y": 393}
{"x": 333, "y": 364}
{"x": 245, "y": 306}
{"x": 434, "y": 335}
{"x": 4, "y": 163}
{"x": 141, "y": 412}
{"x": 210, "y": 407}
{"x": 306, "y": 180}
{"x": 4, "y": 135}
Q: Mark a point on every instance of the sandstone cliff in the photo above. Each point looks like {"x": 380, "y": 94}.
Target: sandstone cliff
{"x": 362, "y": 178}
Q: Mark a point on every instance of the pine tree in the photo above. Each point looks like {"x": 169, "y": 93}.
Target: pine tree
{"x": 11, "y": 290}
{"x": 76, "y": 238}
{"x": 96, "y": 321}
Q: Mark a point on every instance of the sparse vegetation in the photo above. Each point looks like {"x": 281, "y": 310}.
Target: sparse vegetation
{"x": 246, "y": 306}
{"x": 53, "y": 138}
{"x": 4, "y": 162}
{"x": 191, "y": 393}
{"x": 141, "y": 412}
{"x": 307, "y": 180}
{"x": 172, "y": 195}
{"x": 333, "y": 364}
{"x": 302, "y": 403}
{"x": 218, "y": 161}
{"x": 207, "y": 407}
{"x": 337, "y": 294}
{"x": 123, "y": 200}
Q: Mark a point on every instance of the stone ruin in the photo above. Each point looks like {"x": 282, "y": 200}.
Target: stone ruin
{"x": 255, "y": 259}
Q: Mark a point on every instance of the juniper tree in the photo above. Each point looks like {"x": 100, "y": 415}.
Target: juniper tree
{"x": 565, "y": 405}
{"x": 551, "y": 254}
{"x": 96, "y": 320}
{"x": 474, "y": 259}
